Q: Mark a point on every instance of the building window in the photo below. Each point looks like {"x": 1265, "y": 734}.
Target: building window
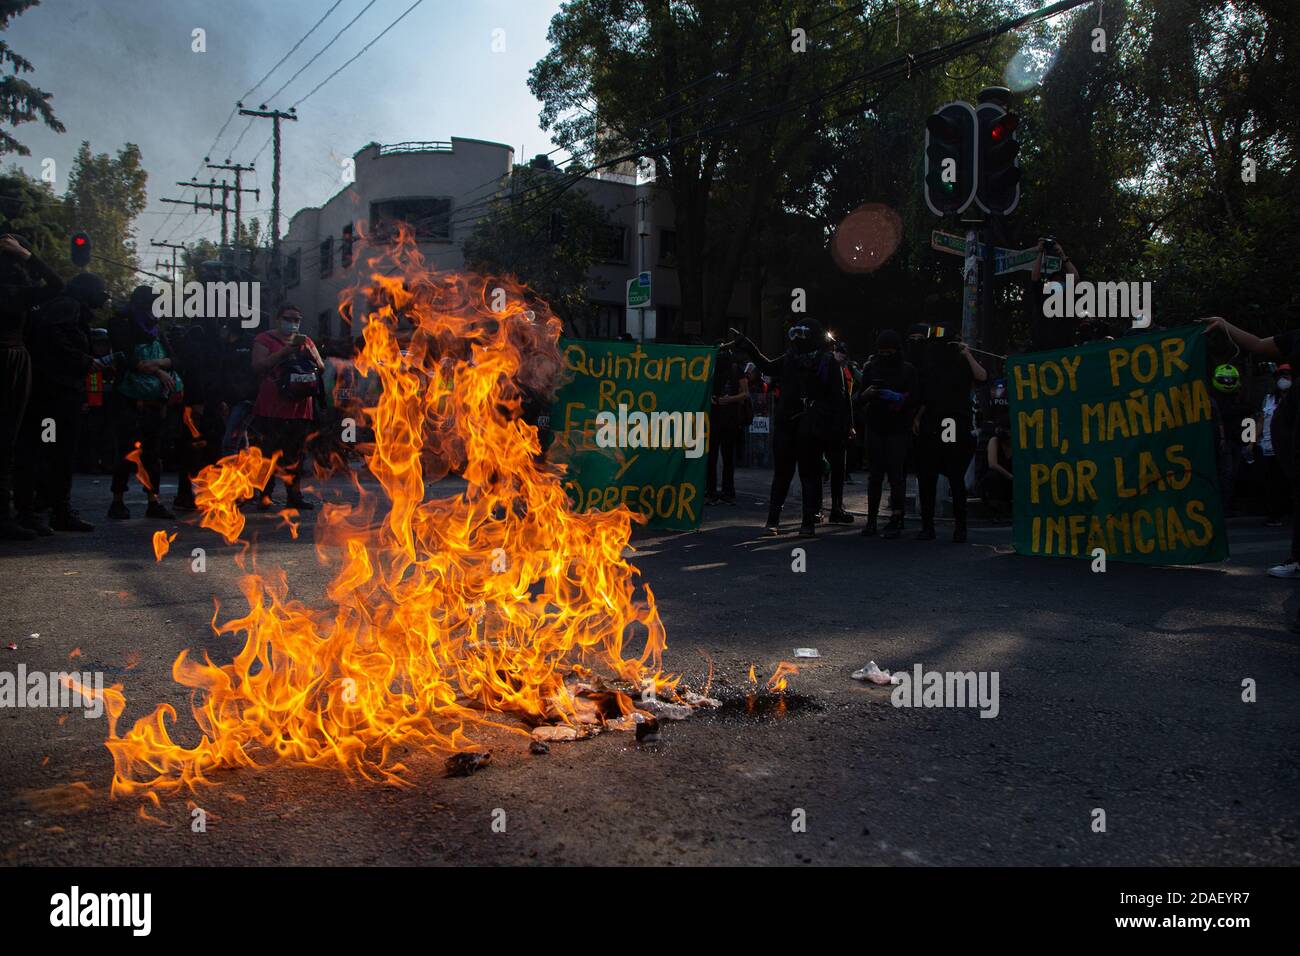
{"x": 668, "y": 247}
{"x": 291, "y": 270}
{"x": 609, "y": 244}
{"x": 345, "y": 247}
{"x": 326, "y": 321}
{"x": 327, "y": 256}
{"x": 429, "y": 218}
{"x": 607, "y": 321}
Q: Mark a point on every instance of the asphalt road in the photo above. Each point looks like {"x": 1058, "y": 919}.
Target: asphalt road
{"x": 1120, "y": 691}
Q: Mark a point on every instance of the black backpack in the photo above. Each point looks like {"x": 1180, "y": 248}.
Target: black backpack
{"x": 298, "y": 377}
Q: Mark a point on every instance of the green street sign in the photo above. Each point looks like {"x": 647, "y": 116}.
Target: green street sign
{"x": 638, "y": 291}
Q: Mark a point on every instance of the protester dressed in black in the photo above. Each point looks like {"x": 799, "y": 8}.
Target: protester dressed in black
{"x": 25, "y": 282}
{"x": 943, "y": 429}
{"x": 59, "y": 342}
{"x": 890, "y": 395}
{"x": 809, "y": 386}
{"x": 730, "y": 391}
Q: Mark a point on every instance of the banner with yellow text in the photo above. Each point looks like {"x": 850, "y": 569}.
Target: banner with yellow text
{"x": 1114, "y": 448}
{"x": 632, "y": 426}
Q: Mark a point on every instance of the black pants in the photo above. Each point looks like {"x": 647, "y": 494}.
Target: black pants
{"x": 886, "y": 458}
{"x": 1276, "y": 487}
{"x": 194, "y": 453}
{"x": 44, "y": 468}
{"x": 288, "y": 436}
{"x": 934, "y": 458}
{"x": 793, "y": 453}
{"x": 722, "y": 441}
{"x": 836, "y": 453}
{"x": 136, "y": 421}
{"x": 15, "y": 387}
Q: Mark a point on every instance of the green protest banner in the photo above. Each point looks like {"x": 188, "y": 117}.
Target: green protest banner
{"x": 1113, "y": 448}
{"x": 631, "y": 424}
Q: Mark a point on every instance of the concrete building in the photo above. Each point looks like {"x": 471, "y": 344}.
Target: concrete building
{"x": 441, "y": 188}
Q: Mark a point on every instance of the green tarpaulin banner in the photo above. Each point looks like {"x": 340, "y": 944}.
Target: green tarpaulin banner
{"x": 631, "y": 423}
{"x": 1114, "y": 448}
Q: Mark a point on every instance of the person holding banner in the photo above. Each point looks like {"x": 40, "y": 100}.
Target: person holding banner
{"x": 730, "y": 392}
{"x": 808, "y": 382}
{"x": 1285, "y": 346}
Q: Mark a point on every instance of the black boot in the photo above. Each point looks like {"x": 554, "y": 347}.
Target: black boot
{"x": 840, "y": 516}
{"x": 773, "y": 525}
{"x": 894, "y": 528}
{"x": 959, "y": 533}
{"x": 33, "y": 522}
{"x": 65, "y": 519}
{"x": 926, "y": 533}
{"x": 869, "y": 529}
{"x": 11, "y": 530}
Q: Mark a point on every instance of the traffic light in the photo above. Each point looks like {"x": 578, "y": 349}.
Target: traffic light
{"x": 80, "y": 251}
{"x": 999, "y": 165}
{"x": 950, "y": 159}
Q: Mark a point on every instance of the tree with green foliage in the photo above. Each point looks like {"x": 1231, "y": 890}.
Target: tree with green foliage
{"x": 30, "y": 209}
{"x": 105, "y": 195}
{"x": 20, "y": 101}
{"x": 548, "y": 244}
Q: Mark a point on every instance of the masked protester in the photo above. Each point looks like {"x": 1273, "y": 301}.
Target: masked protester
{"x": 198, "y": 438}
{"x": 59, "y": 342}
{"x": 890, "y": 394}
{"x": 730, "y": 393}
{"x": 809, "y": 386}
{"x": 288, "y": 366}
{"x": 146, "y": 383}
{"x": 943, "y": 429}
{"x": 25, "y": 282}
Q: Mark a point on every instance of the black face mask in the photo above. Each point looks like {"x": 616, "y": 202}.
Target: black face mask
{"x": 890, "y": 360}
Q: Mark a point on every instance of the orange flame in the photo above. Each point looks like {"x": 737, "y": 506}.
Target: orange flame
{"x": 444, "y": 614}
{"x": 162, "y": 543}
{"x": 187, "y": 416}
{"x": 219, "y": 488}
{"x": 141, "y": 472}
{"x": 286, "y": 518}
{"x": 777, "y": 682}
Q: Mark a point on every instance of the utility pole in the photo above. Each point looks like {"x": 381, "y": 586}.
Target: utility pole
{"x": 211, "y": 207}
{"x": 274, "y": 116}
{"x": 237, "y": 189}
{"x": 173, "y": 246}
{"x": 212, "y": 186}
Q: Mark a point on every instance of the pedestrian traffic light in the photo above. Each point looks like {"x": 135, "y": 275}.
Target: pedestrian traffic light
{"x": 999, "y": 165}
{"x": 950, "y": 159}
{"x": 80, "y": 250}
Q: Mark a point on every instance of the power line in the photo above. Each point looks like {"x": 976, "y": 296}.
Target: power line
{"x": 359, "y": 52}
{"x": 321, "y": 51}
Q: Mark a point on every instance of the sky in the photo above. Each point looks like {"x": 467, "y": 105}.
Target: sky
{"x": 124, "y": 71}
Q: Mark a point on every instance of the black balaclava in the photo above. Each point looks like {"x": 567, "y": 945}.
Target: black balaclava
{"x": 888, "y": 339}
{"x": 88, "y": 289}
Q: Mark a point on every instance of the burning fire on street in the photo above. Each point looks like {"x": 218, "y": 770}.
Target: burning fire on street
{"x": 498, "y": 607}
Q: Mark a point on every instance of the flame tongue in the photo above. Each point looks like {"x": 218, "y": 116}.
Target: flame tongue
{"x": 447, "y": 614}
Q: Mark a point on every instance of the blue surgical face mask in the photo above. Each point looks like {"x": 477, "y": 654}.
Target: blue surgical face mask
{"x": 290, "y": 326}
{"x": 1283, "y": 384}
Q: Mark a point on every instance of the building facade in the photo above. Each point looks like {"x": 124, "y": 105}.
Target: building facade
{"x": 442, "y": 189}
